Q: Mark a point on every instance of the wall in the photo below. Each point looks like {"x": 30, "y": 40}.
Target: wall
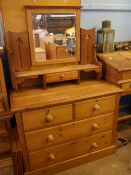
{"x": 118, "y": 11}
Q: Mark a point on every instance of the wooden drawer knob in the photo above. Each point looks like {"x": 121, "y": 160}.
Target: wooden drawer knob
{"x": 95, "y": 126}
{"x": 62, "y": 76}
{"x": 52, "y": 157}
{"x": 94, "y": 145}
{"x": 49, "y": 118}
{"x": 50, "y": 138}
{"x": 97, "y": 107}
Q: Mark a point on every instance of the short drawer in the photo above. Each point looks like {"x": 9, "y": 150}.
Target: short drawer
{"x": 56, "y": 135}
{"x": 2, "y": 105}
{"x": 94, "y": 107}
{"x": 46, "y": 117}
{"x": 46, "y": 157}
{"x": 50, "y": 78}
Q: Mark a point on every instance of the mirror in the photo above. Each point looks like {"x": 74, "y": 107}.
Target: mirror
{"x": 54, "y": 36}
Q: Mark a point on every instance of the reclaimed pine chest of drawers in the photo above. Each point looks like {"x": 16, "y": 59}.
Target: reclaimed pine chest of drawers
{"x": 65, "y": 126}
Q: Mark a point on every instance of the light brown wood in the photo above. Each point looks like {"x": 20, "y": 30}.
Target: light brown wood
{"x": 87, "y": 67}
{"x": 67, "y": 132}
{"x": 41, "y": 119}
{"x": 126, "y": 86}
{"x": 94, "y": 107}
{"x": 41, "y": 159}
{"x": 73, "y": 162}
{"x": 32, "y": 98}
{"x": 53, "y": 53}
{"x": 72, "y": 75}
{"x": 22, "y": 141}
{"x": 125, "y": 117}
{"x": 88, "y": 51}
{"x": 19, "y": 50}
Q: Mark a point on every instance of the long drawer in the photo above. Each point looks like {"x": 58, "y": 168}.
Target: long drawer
{"x": 48, "y": 137}
{"x": 94, "y": 107}
{"x": 46, "y": 117}
{"x": 46, "y": 157}
{"x": 2, "y": 105}
{"x": 61, "y": 76}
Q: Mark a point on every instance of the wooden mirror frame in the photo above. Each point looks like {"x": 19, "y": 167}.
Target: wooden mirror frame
{"x": 54, "y": 10}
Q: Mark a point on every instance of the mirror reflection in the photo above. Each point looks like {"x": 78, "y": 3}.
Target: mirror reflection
{"x": 54, "y": 36}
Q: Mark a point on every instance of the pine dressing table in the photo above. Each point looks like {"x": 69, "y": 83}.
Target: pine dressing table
{"x": 65, "y": 114}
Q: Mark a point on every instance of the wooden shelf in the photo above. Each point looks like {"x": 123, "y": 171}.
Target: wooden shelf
{"x": 6, "y": 160}
{"x": 87, "y": 67}
{"x": 125, "y": 117}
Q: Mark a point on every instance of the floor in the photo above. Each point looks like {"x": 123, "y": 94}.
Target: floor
{"x": 117, "y": 164}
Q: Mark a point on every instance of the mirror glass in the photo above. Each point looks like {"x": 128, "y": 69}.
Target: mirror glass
{"x": 54, "y": 36}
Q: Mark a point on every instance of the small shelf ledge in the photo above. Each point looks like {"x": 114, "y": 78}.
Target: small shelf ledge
{"x": 87, "y": 67}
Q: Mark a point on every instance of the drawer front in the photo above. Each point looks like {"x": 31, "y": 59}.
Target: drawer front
{"x": 126, "y": 86}
{"x": 94, "y": 107}
{"x": 46, "y": 157}
{"x": 51, "y": 136}
{"x": 61, "y": 76}
{"x": 4, "y": 144}
{"x": 2, "y": 106}
{"x": 47, "y": 117}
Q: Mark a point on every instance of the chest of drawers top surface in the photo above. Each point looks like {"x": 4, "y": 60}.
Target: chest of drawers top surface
{"x": 33, "y": 98}
{"x": 120, "y": 60}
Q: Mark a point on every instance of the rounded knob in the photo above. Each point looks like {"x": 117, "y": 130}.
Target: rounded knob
{"x": 62, "y": 76}
{"x": 94, "y": 145}
{"x": 49, "y": 118}
{"x": 97, "y": 107}
{"x": 50, "y": 138}
{"x": 95, "y": 126}
{"x": 52, "y": 157}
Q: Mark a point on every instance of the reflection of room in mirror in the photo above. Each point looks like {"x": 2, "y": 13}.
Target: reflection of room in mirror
{"x": 54, "y": 36}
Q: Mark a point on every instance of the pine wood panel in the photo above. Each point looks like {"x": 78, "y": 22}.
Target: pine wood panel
{"x": 62, "y": 76}
{"x": 17, "y": 14}
{"x": 71, "y": 150}
{"x": 32, "y": 98}
{"x": 53, "y": 70}
{"x": 20, "y": 50}
{"x": 120, "y": 60}
{"x": 94, "y": 107}
{"x": 47, "y": 117}
{"x": 126, "y": 86}
{"x": 63, "y": 133}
